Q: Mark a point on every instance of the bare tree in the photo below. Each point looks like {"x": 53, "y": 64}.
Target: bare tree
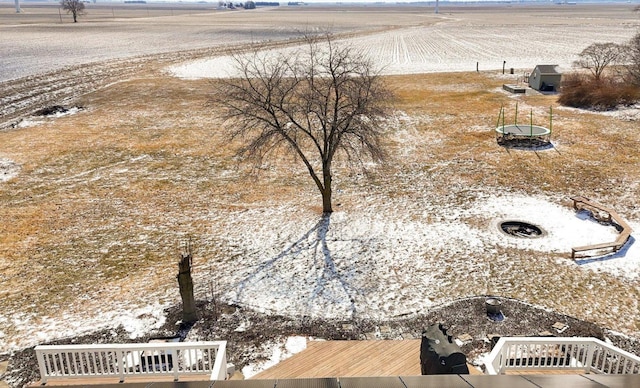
{"x": 320, "y": 101}
{"x": 74, "y": 7}
{"x": 633, "y": 59}
{"x": 598, "y": 56}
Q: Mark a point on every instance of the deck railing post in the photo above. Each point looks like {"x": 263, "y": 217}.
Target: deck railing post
{"x": 174, "y": 363}
{"x": 219, "y": 370}
{"x": 120, "y": 355}
{"x": 42, "y": 365}
{"x": 503, "y": 357}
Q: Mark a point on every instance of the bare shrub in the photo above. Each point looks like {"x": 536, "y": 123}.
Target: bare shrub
{"x": 580, "y": 91}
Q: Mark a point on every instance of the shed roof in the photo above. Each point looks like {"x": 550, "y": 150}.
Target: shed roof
{"x": 548, "y": 69}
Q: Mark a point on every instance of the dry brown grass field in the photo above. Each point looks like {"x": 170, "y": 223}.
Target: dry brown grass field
{"x": 92, "y": 222}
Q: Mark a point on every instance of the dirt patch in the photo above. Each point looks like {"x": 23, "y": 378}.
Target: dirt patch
{"x": 247, "y": 345}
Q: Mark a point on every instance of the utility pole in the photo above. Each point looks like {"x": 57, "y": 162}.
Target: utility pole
{"x": 18, "y": 10}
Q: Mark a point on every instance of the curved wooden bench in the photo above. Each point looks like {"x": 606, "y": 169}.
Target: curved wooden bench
{"x": 580, "y": 203}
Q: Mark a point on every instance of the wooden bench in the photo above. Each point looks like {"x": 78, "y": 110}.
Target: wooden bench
{"x": 613, "y": 217}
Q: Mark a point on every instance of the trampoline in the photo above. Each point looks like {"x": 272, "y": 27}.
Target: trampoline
{"x": 523, "y": 130}
{"x": 523, "y": 135}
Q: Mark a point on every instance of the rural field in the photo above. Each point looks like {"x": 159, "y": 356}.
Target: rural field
{"x": 96, "y": 202}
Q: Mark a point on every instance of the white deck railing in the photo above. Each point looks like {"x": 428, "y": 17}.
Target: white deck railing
{"x": 138, "y": 359}
{"x": 553, "y": 353}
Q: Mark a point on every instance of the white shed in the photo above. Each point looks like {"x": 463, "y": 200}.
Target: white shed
{"x": 545, "y": 78}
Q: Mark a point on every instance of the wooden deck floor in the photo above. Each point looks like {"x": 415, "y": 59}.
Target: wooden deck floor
{"x": 351, "y": 359}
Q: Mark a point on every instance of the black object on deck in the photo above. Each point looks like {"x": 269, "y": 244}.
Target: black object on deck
{"x": 439, "y": 355}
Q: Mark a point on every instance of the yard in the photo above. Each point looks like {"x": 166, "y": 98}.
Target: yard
{"x": 96, "y": 203}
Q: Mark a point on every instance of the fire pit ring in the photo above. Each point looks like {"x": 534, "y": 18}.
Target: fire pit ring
{"x": 521, "y": 229}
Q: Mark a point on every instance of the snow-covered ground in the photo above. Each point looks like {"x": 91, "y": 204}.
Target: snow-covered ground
{"x": 367, "y": 264}
{"x": 8, "y": 169}
{"x": 278, "y": 352}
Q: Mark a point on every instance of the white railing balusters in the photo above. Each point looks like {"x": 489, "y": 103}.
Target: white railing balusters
{"x": 120, "y": 365}
{"x": 590, "y": 354}
{"x": 82, "y": 359}
{"x": 189, "y": 355}
{"x": 173, "y": 359}
{"x": 101, "y": 362}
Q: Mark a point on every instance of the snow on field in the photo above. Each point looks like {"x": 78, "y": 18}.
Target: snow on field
{"x": 136, "y": 320}
{"x": 367, "y": 263}
{"x": 8, "y": 169}
{"x": 372, "y": 261}
{"x": 451, "y": 47}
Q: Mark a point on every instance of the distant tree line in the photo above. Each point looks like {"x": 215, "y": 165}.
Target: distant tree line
{"x": 250, "y": 4}
{"x": 267, "y": 3}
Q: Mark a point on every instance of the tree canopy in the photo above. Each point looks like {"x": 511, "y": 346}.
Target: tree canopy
{"x": 598, "y": 56}
{"x": 74, "y": 7}
{"x": 322, "y": 100}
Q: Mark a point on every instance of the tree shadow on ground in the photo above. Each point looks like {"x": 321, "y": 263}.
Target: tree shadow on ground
{"x": 329, "y": 283}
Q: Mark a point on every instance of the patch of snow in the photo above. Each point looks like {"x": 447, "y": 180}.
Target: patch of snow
{"x": 8, "y": 169}
{"x": 480, "y": 361}
{"x": 143, "y": 319}
{"x": 66, "y": 112}
{"x": 564, "y": 227}
{"x": 295, "y": 344}
{"x": 279, "y": 352}
{"x": 363, "y": 262}
{"x": 136, "y": 321}
{"x": 626, "y": 113}
{"x": 26, "y": 123}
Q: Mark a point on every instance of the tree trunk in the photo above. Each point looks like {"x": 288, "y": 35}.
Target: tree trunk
{"x": 185, "y": 282}
{"x": 326, "y": 202}
{"x": 326, "y": 192}
{"x": 75, "y": 17}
